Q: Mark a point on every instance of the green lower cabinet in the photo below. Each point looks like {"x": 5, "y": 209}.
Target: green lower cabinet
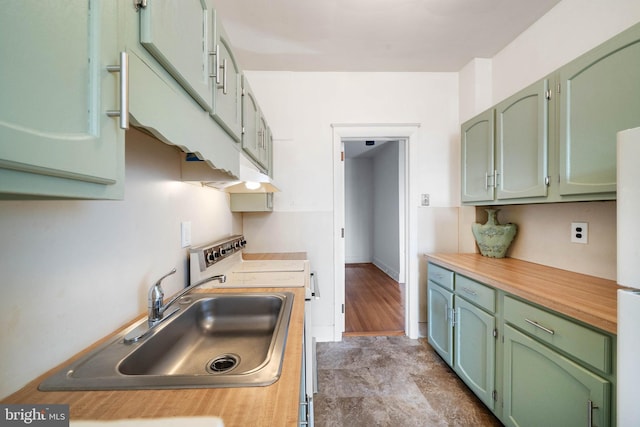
{"x": 544, "y": 388}
{"x": 440, "y": 332}
{"x": 475, "y": 349}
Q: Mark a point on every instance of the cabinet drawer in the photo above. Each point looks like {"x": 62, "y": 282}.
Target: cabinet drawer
{"x": 441, "y": 276}
{"x": 475, "y": 292}
{"x": 587, "y": 345}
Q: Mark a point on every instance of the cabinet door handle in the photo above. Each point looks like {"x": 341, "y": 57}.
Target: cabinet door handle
{"x": 590, "y": 407}
{"x": 539, "y": 326}
{"x": 123, "y": 69}
{"x": 224, "y": 76}
{"x": 486, "y": 180}
{"x": 496, "y": 174}
{"x": 216, "y": 64}
{"x": 213, "y": 68}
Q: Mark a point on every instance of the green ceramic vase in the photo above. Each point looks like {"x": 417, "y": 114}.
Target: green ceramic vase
{"x": 492, "y": 238}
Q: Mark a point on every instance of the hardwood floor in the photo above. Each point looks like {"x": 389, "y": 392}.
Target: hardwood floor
{"x": 374, "y": 302}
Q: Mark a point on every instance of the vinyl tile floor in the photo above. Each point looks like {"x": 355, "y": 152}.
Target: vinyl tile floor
{"x": 391, "y": 381}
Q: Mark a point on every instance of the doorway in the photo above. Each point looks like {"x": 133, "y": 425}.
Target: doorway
{"x": 374, "y": 188}
{"x": 408, "y": 218}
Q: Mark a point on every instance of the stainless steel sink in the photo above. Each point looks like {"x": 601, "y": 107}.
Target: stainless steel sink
{"x": 214, "y": 340}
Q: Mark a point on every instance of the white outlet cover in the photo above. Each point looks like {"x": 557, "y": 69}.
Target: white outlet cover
{"x": 580, "y": 232}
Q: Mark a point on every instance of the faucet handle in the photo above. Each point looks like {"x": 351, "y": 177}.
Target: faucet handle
{"x": 156, "y": 299}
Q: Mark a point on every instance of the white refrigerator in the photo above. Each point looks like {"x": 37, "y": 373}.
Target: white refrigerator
{"x": 628, "y": 256}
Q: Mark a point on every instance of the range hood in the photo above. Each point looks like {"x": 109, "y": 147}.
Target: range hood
{"x": 249, "y": 179}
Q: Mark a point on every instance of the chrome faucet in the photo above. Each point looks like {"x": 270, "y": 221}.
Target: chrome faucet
{"x": 157, "y": 307}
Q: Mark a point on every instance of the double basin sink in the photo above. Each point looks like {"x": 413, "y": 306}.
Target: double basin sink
{"x": 213, "y": 340}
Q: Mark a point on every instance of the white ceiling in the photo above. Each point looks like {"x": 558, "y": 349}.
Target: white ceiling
{"x": 372, "y": 35}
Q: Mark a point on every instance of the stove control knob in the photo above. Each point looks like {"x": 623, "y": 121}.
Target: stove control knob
{"x": 243, "y": 243}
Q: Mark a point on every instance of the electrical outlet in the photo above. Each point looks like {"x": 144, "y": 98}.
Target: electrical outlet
{"x": 580, "y": 232}
{"x": 424, "y": 200}
{"x": 185, "y": 233}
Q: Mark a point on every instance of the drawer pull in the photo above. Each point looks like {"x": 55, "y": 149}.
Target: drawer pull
{"x": 537, "y": 325}
{"x": 470, "y": 291}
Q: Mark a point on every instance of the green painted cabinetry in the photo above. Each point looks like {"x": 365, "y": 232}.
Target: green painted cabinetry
{"x": 530, "y": 365}
{"x": 56, "y": 139}
{"x": 462, "y": 329}
{"x": 477, "y": 155}
{"x": 256, "y": 135}
{"x": 439, "y": 330}
{"x": 508, "y": 163}
{"x": 599, "y": 96}
{"x": 555, "y": 140}
{"x": 177, "y": 34}
{"x": 522, "y": 144}
{"x": 227, "y": 92}
{"x": 544, "y": 388}
{"x": 475, "y": 348}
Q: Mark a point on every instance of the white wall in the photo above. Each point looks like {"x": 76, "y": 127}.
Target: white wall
{"x": 74, "y": 271}
{"x": 568, "y": 30}
{"x": 386, "y": 211}
{"x": 300, "y": 108}
{"x": 359, "y": 191}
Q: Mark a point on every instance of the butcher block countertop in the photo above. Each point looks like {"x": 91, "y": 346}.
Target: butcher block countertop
{"x": 273, "y": 405}
{"x": 586, "y": 298}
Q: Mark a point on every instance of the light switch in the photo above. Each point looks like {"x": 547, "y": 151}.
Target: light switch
{"x": 185, "y": 233}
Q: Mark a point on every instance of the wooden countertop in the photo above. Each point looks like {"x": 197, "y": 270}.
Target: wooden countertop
{"x": 273, "y": 405}
{"x": 586, "y": 298}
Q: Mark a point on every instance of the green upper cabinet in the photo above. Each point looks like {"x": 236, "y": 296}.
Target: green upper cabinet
{"x": 227, "y": 91}
{"x": 599, "y": 95}
{"x": 176, "y": 33}
{"x": 256, "y": 135}
{"x": 56, "y": 139}
{"x": 477, "y": 154}
{"x": 505, "y": 149}
{"x": 522, "y": 143}
{"x": 555, "y": 140}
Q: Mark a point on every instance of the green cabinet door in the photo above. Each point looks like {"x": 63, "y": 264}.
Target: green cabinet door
{"x": 250, "y": 121}
{"x": 55, "y": 136}
{"x": 522, "y": 143}
{"x": 600, "y": 95}
{"x": 176, "y": 33}
{"x": 475, "y": 349}
{"x": 477, "y": 154}
{"x": 227, "y": 91}
{"x": 544, "y": 388}
{"x": 439, "y": 328}
{"x": 256, "y": 136}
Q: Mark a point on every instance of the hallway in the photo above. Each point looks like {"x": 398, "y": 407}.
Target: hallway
{"x": 374, "y": 302}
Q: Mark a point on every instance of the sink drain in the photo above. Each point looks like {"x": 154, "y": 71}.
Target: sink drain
{"x": 223, "y": 363}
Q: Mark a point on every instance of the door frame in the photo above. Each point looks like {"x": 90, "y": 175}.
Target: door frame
{"x": 409, "y": 133}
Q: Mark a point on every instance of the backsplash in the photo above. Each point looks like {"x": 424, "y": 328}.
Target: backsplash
{"x": 544, "y": 233}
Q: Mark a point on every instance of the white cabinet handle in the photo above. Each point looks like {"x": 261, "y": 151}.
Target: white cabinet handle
{"x": 216, "y": 64}
{"x": 123, "y": 69}
{"x": 539, "y": 326}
